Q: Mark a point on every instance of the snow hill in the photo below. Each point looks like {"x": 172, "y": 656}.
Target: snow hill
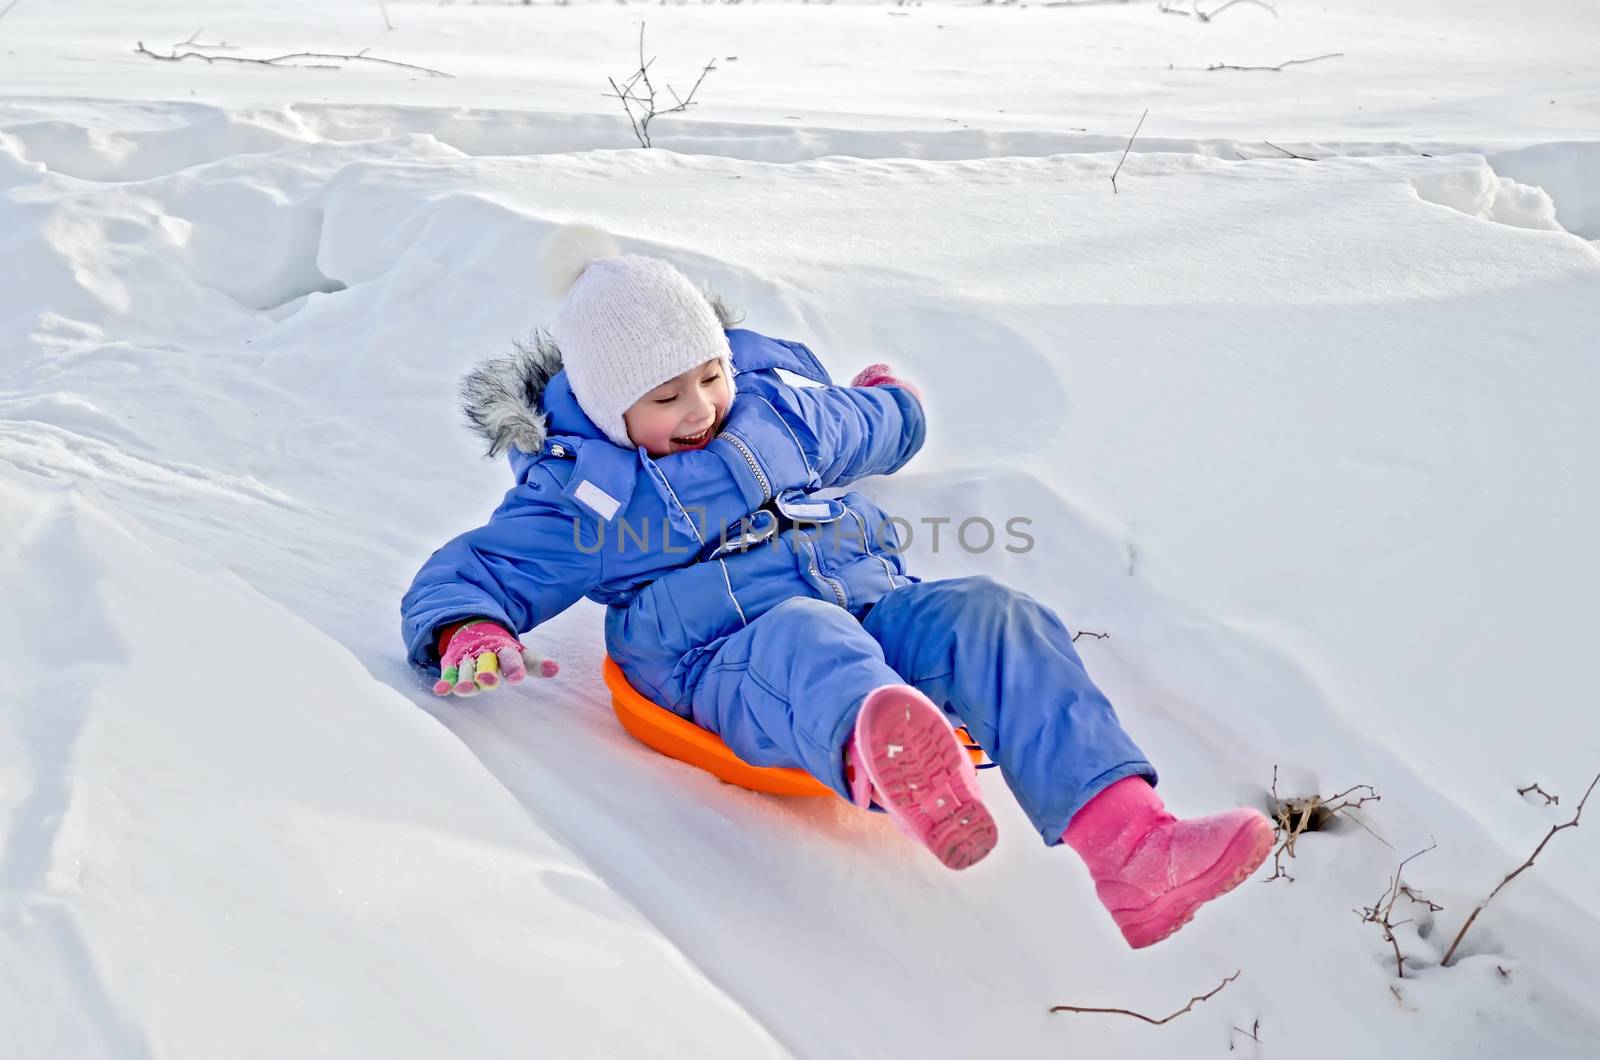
{"x": 1312, "y": 443}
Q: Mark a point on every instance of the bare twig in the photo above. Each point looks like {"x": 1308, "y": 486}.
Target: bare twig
{"x": 385, "y": 9}
{"x": 1382, "y": 911}
{"x": 1549, "y": 799}
{"x": 622, "y": 94}
{"x": 1288, "y": 152}
{"x": 7, "y": 9}
{"x": 1088, "y": 633}
{"x": 1519, "y": 870}
{"x": 1294, "y": 816}
{"x": 1420, "y": 899}
{"x": 1372, "y": 916}
{"x": 1193, "y": 1001}
{"x": 1348, "y": 796}
{"x": 282, "y": 61}
{"x": 1207, "y": 16}
{"x": 1344, "y": 811}
{"x": 1280, "y": 66}
{"x": 1125, "y": 150}
{"x": 1283, "y": 815}
{"x": 628, "y": 94}
{"x": 1254, "y": 1034}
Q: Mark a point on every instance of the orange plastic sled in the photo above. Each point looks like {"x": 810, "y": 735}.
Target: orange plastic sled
{"x": 666, "y": 733}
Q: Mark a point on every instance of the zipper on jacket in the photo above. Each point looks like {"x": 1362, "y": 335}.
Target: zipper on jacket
{"x": 838, "y": 589}
{"x": 750, "y": 458}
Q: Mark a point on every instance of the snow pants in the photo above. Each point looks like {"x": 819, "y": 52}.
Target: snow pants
{"x": 785, "y": 690}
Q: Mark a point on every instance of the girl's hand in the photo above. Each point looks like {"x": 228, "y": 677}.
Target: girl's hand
{"x": 880, "y": 375}
{"x": 478, "y": 654}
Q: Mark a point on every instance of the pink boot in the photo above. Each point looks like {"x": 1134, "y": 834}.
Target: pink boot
{"x": 908, "y": 759}
{"x": 1151, "y": 870}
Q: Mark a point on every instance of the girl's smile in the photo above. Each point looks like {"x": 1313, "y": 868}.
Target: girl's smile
{"x": 684, "y": 413}
{"x": 696, "y": 441}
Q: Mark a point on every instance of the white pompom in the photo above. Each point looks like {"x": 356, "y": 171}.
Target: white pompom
{"x": 570, "y": 250}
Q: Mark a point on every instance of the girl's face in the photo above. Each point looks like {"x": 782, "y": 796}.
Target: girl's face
{"x": 681, "y": 414}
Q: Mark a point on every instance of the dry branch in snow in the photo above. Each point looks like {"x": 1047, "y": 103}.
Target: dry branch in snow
{"x": 1520, "y": 869}
{"x": 628, "y": 93}
{"x": 1125, "y": 150}
{"x": 1549, "y": 799}
{"x": 283, "y": 61}
{"x": 1293, "y": 817}
{"x": 1280, "y": 66}
{"x": 1382, "y": 911}
{"x": 1288, "y": 152}
{"x": 1088, "y": 633}
{"x": 1206, "y": 16}
{"x": 1254, "y": 1034}
{"x": 1193, "y": 1001}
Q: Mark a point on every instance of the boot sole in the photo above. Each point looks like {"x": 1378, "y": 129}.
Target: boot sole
{"x": 1244, "y": 853}
{"x": 925, "y": 779}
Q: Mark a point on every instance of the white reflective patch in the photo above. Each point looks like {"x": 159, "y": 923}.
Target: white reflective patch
{"x": 807, "y": 511}
{"x": 597, "y": 500}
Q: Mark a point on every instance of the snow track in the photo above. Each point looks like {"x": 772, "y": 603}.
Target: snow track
{"x": 1311, "y": 444}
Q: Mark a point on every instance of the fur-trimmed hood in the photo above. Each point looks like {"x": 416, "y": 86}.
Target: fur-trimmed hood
{"x": 503, "y": 398}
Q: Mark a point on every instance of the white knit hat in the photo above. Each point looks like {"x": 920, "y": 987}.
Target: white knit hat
{"x": 625, "y": 325}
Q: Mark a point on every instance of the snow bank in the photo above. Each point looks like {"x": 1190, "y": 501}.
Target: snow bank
{"x": 222, "y": 837}
{"x": 1478, "y": 191}
{"x": 1568, "y": 172}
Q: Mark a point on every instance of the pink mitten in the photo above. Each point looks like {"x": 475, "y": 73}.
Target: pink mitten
{"x": 879, "y": 375}
{"x": 477, "y": 654}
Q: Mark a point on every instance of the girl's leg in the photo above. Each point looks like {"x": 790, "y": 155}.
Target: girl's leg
{"x": 804, "y": 685}
{"x": 785, "y": 690}
{"x": 1005, "y": 665}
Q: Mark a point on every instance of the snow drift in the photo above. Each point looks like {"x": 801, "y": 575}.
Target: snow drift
{"x": 1310, "y": 444}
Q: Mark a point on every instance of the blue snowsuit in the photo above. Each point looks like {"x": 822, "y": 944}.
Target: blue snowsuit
{"x": 745, "y": 592}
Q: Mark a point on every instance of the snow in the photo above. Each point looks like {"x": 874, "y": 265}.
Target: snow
{"x": 207, "y": 844}
{"x": 1313, "y": 442}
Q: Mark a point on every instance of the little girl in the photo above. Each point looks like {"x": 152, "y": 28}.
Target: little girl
{"x": 666, "y": 470}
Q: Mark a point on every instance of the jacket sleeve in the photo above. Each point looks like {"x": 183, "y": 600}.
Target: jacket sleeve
{"x": 855, "y": 431}
{"x": 521, "y": 568}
